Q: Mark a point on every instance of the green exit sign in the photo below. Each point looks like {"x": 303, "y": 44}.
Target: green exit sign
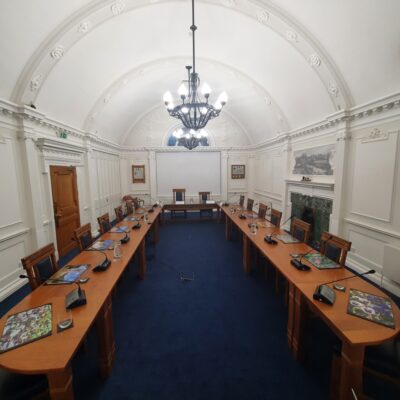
{"x": 62, "y": 134}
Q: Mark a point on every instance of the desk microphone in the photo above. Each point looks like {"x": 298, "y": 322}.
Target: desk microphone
{"x": 296, "y": 262}
{"x": 104, "y": 264}
{"x": 269, "y": 238}
{"x": 125, "y": 239}
{"x": 325, "y": 294}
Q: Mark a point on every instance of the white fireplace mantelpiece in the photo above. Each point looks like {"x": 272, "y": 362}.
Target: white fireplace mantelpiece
{"x": 326, "y": 186}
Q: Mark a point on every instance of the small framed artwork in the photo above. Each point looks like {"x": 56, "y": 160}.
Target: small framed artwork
{"x": 138, "y": 174}
{"x": 238, "y": 171}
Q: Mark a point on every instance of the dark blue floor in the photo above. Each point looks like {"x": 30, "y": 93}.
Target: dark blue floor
{"x": 221, "y": 336}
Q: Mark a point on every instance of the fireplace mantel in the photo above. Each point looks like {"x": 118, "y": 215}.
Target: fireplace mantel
{"x": 313, "y": 184}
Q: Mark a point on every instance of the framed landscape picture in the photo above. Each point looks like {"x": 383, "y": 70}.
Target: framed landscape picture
{"x": 138, "y": 174}
{"x": 238, "y": 171}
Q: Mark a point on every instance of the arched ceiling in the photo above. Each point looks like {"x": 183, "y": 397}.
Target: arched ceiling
{"x": 103, "y": 65}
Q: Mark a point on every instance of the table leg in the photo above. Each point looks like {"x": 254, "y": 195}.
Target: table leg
{"x": 105, "y": 335}
{"x": 298, "y": 317}
{"x": 156, "y": 230}
{"x": 60, "y": 384}
{"x": 163, "y": 216}
{"x": 351, "y": 370}
{"x": 142, "y": 259}
{"x": 246, "y": 254}
{"x": 291, "y": 313}
{"x": 228, "y": 228}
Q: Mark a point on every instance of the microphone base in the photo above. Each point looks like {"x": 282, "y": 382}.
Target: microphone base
{"x": 102, "y": 266}
{"x": 75, "y": 298}
{"x": 269, "y": 240}
{"x": 299, "y": 265}
{"x": 125, "y": 239}
{"x": 324, "y": 294}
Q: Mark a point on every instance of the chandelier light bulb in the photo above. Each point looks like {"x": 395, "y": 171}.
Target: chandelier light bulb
{"x": 170, "y": 106}
{"x": 185, "y": 110}
{"x": 167, "y": 97}
{"x": 218, "y": 105}
{"x": 223, "y": 98}
{"x": 206, "y": 90}
{"x": 203, "y": 133}
{"x": 187, "y": 136}
{"x": 183, "y": 90}
{"x": 175, "y": 134}
{"x": 203, "y": 110}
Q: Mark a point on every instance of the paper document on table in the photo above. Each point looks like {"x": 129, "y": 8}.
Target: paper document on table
{"x": 210, "y": 202}
{"x": 179, "y": 202}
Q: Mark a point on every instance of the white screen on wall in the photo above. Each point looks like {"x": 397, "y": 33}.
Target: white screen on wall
{"x": 194, "y": 171}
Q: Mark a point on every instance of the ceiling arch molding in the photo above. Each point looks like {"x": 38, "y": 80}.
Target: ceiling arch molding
{"x": 87, "y": 18}
{"x": 139, "y": 71}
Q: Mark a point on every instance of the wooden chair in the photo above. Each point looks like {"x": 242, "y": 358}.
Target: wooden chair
{"x": 104, "y": 223}
{"x": 262, "y": 210}
{"x": 40, "y": 265}
{"x": 276, "y": 217}
{"x": 203, "y": 197}
{"x": 241, "y": 201}
{"x": 119, "y": 213}
{"x": 129, "y": 207}
{"x": 178, "y": 196}
{"x": 250, "y": 203}
{"x": 300, "y": 230}
{"x": 334, "y": 247}
{"x": 83, "y": 236}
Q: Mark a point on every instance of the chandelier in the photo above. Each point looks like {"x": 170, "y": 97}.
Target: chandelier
{"x": 194, "y": 112}
{"x": 190, "y": 138}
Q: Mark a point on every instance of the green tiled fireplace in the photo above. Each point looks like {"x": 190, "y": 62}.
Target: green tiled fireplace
{"x": 322, "y": 209}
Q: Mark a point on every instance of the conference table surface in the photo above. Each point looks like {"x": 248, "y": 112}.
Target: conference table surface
{"x": 52, "y": 355}
{"x": 355, "y": 333}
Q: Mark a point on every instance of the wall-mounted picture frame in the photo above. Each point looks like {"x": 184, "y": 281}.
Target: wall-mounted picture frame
{"x": 138, "y": 175}
{"x": 238, "y": 171}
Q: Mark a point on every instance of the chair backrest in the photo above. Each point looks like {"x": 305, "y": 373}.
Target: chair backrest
{"x": 262, "y": 210}
{"x": 119, "y": 213}
{"x": 334, "y": 247}
{"x": 241, "y": 200}
{"x": 40, "y": 265}
{"x": 276, "y": 217}
{"x": 300, "y": 230}
{"x": 83, "y": 236}
{"x": 104, "y": 223}
{"x": 179, "y": 194}
{"x": 250, "y": 203}
{"x": 204, "y": 196}
{"x": 129, "y": 207}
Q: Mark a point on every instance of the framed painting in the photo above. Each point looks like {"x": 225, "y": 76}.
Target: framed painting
{"x": 138, "y": 174}
{"x": 238, "y": 171}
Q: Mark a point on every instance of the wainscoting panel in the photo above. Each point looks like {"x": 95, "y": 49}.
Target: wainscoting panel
{"x": 374, "y": 171}
{"x": 9, "y": 199}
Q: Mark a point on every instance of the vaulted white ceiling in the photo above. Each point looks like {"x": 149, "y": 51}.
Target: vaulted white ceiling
{"x": 103, "y": 65}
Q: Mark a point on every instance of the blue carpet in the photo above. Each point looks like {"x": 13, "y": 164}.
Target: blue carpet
{"x": 221, "y": 336}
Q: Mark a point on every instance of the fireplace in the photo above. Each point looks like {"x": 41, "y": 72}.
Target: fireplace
{"x": 313, "y": 210}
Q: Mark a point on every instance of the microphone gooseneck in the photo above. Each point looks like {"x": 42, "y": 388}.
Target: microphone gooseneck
{"x": 104, "y": 264}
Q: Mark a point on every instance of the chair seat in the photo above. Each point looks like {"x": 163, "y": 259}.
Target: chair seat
{"x": 384, "y": 358}
{"x": 22, "y": 387}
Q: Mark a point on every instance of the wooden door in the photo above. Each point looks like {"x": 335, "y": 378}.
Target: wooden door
{"x": 65, "y": 206}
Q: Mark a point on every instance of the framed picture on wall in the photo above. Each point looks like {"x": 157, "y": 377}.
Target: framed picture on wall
{"x": 138, "y": 174}
{"x": 238, "y": 171}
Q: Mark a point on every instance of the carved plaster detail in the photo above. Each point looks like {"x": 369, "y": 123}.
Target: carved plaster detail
{"x": 333, "y": 89}
{"x": 229, "y": 3}
{"x": 107, "y": 98}
{"x": 57, "y": 52}
{"x": 375, "y": 135}
{"x": 291, "y": 36}
{"x": 263, "y": 16}
{"x": 84, "y": 27}
{"x": 118, "y": 7}
{"x": 314, "y": 60}
{"x": 343, "y": 135}
{"x": 267, "y": 100}
{"x": 35, "y": 83}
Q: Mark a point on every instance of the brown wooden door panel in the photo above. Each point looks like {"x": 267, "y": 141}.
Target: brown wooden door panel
{"x": 66, "y": 206}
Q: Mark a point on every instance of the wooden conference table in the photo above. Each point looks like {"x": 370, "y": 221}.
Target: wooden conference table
{"x": 354, "y": 333}
{"x": 192, "y": 207}
{"x": 52, "y": 355}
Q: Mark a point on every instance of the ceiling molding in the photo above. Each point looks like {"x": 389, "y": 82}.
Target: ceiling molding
{"x": 87, "y": 18}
